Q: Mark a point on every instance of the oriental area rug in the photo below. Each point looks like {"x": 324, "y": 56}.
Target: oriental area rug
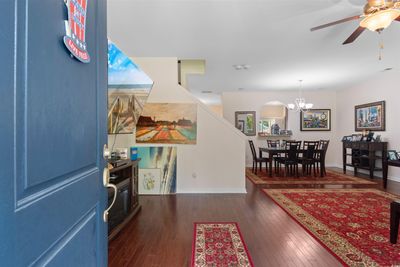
{"x": 219, "y": 244}
{"x": 353, "y": 224}
{"x": 331, "y": 178}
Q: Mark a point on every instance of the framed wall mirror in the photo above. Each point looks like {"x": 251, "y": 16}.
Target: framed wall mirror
{"x": 245, "y": 121}
{"x": 273, "y": 119}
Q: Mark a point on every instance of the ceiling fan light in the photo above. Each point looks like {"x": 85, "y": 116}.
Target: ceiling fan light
{"x": 380, "y": 20}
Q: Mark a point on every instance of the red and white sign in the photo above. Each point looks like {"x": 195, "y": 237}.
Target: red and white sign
{"x": 75, "y": 29}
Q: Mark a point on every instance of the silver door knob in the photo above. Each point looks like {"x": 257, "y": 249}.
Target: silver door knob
{"x": 107, "y": 184}
{"x": 106, "y": 152}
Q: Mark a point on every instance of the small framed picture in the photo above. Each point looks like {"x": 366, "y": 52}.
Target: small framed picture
{"x": 245, "y": 121}
{"x": 240, "y": 125}
{"x": 370, "y": 137}
{"x": 356, "y": 137}
{"x": 392, "y": 155}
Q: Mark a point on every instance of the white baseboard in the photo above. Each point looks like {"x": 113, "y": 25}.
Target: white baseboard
{"x": 334, "y": 165}
{"x": 214, "y": 191}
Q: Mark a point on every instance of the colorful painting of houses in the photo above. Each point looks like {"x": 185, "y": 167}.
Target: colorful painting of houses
{"x": 167, "y": 123}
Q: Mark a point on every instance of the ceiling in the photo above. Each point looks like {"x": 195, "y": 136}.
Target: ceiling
{"x": 273, "y": 37}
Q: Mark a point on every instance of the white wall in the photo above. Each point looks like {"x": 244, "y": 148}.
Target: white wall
{"x": 217, "y": 109}
{"x": 216, "y": 164}
{"x": 254, "y": 101}
{"x": 384, "y": 86}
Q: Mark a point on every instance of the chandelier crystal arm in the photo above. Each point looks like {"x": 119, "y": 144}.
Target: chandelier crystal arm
{"x": 300, "y": 103}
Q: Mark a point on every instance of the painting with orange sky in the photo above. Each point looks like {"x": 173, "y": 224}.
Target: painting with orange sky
{"x": 167, "y": 123}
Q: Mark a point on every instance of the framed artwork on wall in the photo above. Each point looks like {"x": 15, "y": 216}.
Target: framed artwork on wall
{"x": 370, "y": 117}
{"x": 157, "y": 170}
{"x": 124, "y": 109}
{"x": 245, "y": 121}
{"x": 168, "y": 123}
{"x": 315, "y": 120}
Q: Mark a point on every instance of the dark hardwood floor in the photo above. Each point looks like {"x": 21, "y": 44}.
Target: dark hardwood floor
{"x": 162, "y": 233}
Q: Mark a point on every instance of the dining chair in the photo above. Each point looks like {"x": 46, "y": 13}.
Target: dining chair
{"x": 288, "y": 143}
{"x": 285, "y": 159}
{"x": 308, "y": 159}
{"x": 256, "y": 159}
{"x": 273, "y": 143}
{"x": 306, "y": 144}
{"x": 323, "y": 145}
{"x": 291, "y": 160}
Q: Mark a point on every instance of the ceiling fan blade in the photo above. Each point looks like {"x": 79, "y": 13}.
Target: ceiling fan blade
{"x": 335, "y": 22}
{"x": 354, "y": 35}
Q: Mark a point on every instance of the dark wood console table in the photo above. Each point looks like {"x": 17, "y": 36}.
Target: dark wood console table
{"x": 125, "y": 177}
{"x": 364, "y": 155}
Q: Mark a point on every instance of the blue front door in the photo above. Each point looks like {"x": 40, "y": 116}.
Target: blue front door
{"x": 52, "y": 132}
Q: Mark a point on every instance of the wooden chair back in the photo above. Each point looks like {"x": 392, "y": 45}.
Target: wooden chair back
{"x": 289, "y": 143}
{"x": 306, "y": 144}
{"x": 293, "y": 153}
{"x": 253, "y": 150}
{"x": 273, "y": 143}
{"x": 310, "y": 151}
{"x": 323, "y": 145}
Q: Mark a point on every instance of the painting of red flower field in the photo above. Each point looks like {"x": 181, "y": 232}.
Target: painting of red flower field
{"x": 167, "y": 123}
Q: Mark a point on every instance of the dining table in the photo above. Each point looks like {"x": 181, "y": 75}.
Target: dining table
{"x": 271, "y": 151}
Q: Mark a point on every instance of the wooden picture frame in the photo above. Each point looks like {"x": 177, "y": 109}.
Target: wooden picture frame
{"x": 315, "y": 120}
{"x": 370, "y": 117}
{"x": 245, "y": 121}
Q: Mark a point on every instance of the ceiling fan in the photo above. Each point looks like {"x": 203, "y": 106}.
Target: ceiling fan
{"x": 377, "y": 15}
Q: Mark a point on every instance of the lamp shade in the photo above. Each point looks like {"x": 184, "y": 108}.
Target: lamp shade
{"x": 380, "y": 20}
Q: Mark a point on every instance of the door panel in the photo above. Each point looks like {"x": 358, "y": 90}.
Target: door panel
{"x": 7, "y": 171}
{"x": 53, "y": 128}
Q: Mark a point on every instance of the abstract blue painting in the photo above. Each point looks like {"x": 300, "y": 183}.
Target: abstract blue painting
{"x": 157, "y": 170}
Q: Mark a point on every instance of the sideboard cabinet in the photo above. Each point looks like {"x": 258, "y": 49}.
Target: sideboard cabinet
{"x": 125, "y": 178}
{"x": 371, "y": 156}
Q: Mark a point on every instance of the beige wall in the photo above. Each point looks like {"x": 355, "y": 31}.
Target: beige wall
{"x": 255, "y": 101}
{"x": 269, "y": 111}
{"x": 384, "y": 86}
{"x": 204, "y": 167}
{"x": 217, "y": 109}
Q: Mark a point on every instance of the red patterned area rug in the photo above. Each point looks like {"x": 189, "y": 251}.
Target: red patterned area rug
{"x": 219, "y": 244}
{"x": 331, "y": 177}
{"x": 354, "y": 224}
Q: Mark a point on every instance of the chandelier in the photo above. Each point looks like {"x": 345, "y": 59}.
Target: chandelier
{"x": 300, "y": 103}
